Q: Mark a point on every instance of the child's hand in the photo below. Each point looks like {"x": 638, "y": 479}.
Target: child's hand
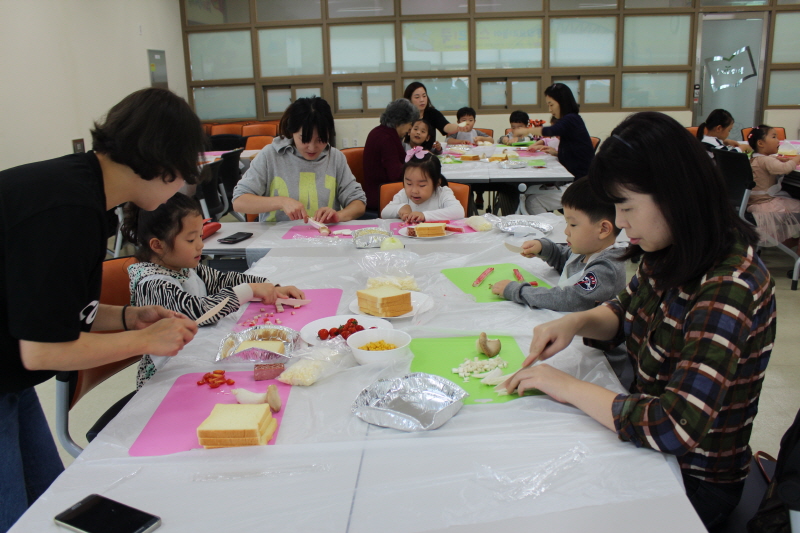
{"x": 550, "y": 150}
{"x": 290, "y": 291}
{"x": 437, "y": 146}
{"x": 326, "y": 215}
{"x": 500, "y": 286}
{"x": 267, "y": 293}
{"x": 403, "y": 212}
{"x": 538, "y": 146}
{"x": 531, "y": 248}
{"x": 294, "y": 209}
{"x": 414, "y": 216}
{"x": 730, "y": 142}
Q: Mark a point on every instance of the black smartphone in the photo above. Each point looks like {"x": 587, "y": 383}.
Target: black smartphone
{"x": 236, "y": 237}
{"x": 98, "y": 514}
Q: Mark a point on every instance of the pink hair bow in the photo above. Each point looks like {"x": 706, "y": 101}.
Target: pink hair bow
{"x": 417, "y": 152}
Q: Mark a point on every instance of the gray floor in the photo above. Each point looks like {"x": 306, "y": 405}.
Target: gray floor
{"x": 779, "y": 403}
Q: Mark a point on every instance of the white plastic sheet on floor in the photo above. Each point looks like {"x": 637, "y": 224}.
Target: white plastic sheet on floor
{"x": 330, "y": 471}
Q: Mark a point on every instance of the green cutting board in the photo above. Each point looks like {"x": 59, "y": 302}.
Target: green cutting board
{"x": 463, "y": 277}
{"x": 440, "y": 356}
{"x": 523, "y": 143}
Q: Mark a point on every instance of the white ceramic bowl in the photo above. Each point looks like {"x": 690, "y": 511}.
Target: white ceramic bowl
{"x": 401, "y": 339}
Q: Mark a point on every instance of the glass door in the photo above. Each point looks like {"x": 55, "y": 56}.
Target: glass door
{"x": 730, "y": 62}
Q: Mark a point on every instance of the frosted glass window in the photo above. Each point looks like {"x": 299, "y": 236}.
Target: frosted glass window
{"x": 583, "y": 42}
{"x": 230, "y": 12}
{"x": 350, "y": 97}
{"x": 214, "y": 103}
{"x": 501, "y": 6}
{"x": 221, "y": 55}
{"x": 360, "y": 8}
{"x": 784, "y": 87}
{"x": 379, "y": 96}
{"x": 787, "y": 38}
{"x": 426, "y": 7}
{"x": 666, "y": 89}
{"x": 493, "y": 93}
{"x": 508, "y": 43}
{"x": 524, "y": 93}
{"x": 435, "y": 46}
{"x": 661, "y": 40}
{"x": 308, "y": 92}
{"x": 657, "y": 3}
{"x": 267, "y": 10}
{"x": 290, "y": 51}
{"x": 788, "y": 2}
{"x": 556, "y": 5}
{"x": 362, "y": 48}
{"x": 597, "y": 91}
{"x": 278, "y": 100}
{"x": 446, "y": 94}
{"x": 734, "y": 3}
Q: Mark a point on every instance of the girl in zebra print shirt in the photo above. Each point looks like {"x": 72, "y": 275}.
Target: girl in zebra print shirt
{"x": 169, "y": 247}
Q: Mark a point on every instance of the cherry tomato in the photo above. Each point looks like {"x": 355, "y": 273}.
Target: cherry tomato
{"x": 214, "y": 385}
{"x": 359, "y": 328}
{"x": 201, "y": 382}
{"x": 322, "y": 334}
{"x": 345, "y": 335}
{"x": 352, "y": 321}
{"x": 334, "y": 331}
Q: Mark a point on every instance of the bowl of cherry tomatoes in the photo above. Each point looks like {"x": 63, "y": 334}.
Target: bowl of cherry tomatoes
{"x": 343, "y": 330}
{"x": 379, "y": 345}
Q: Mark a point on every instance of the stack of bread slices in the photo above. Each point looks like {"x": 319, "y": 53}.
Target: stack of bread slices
{"x": 430, "y": 229}
{"x": 384, "y": 301}
{"x": 231, "y": 425}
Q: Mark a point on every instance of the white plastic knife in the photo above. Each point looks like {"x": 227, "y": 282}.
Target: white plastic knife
{"x": 211, "y": 312}
{"x": 515, "y": 249}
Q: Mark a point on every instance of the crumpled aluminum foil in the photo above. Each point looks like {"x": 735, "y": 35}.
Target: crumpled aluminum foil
{"x": 513, "y": 164}
{"x": 289, "y": 337}
{"x": 414, "y": 402}
{"x": 370, "y": 237}
{"x": 521, "y": 226}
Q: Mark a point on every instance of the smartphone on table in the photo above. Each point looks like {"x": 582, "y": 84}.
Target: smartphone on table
{"x": 98, "y": 514}
{"x": 236, "y": 237}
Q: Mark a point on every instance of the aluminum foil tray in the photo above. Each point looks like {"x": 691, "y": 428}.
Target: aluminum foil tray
{"x": 521, "y": 226}
{"x": 415, "y": 402}
{"x": 513, "y": 164}
{"x": 289, "y": 337}
{"x": 370, "y": 237}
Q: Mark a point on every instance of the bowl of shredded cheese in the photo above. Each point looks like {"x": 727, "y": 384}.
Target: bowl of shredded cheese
{"x": 379, "y": 345}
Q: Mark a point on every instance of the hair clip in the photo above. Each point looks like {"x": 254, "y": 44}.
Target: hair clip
{"x": 623, "y": 141}
{"x": 417, "y": 152}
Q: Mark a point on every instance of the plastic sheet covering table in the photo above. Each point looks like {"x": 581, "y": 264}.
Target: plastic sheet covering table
{"x": 531, "y": 461}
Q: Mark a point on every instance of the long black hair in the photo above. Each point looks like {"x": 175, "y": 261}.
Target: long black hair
{"x": 165, "y": 223}
{"x": 566, "y": 100}
{"x": 718, "y": 117}
{"x": 308, "y": 114}
{"x": 651, "y": 153}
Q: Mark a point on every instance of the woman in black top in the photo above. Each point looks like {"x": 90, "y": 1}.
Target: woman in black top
{"x": 575, "y": 151}
{"x": 418, "y": 95}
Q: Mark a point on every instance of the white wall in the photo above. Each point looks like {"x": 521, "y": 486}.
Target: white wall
{"x": 786, "y": 118}
{"x": 64, "y": 63}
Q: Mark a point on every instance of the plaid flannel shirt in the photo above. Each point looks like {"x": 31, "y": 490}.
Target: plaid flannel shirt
{"x": 699, "y": 354}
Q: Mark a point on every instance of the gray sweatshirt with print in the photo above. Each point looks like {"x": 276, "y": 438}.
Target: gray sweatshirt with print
{"x": 279, "y": 170}
{"x": 603, "y": 278}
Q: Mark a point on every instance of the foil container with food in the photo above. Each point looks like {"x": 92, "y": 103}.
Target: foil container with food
{"x": 231, "y": 342}
{"x": 521, "y": 226}
{"x": 414, "y": 402}
{"x": 513, "y": 164}
{"x": 370, "y": 237}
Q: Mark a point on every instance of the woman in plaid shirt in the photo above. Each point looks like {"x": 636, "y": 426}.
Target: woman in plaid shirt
{"x": 697, "y": 319}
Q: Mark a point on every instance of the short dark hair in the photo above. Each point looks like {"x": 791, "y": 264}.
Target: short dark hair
{"x": 566, "y": 100}
{"x": 139, "y": 226}
{"x": 651, "y": 153}
{"x": 308, "y": 114}
{"x": 399, "y": 112}
{"x": 155, "y": 133}
{"x": 428, "y": 144}
{"x": 413, "y": 86}
{"x": 466, "y": 112}
{"x": 430, "y": 165}
{"x": 718, "y": 117}
{"x": 581, "y": 197}
{"x": 519, "y": 117}
{"x": 756, "y": 134}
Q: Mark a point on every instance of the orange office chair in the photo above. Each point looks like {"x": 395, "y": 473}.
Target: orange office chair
{"x": 251, "y": 217}
{"x": 257, "y": 142}
{"x": 260, "y": 128}
{"x": 231, "y": 129}
{"x": 355, "y": 160}
{"x": 595, "y": 143}
{"x": 461, "y": 192}
{"x": 486, "y": 132}
{"x": 71, "y": 386}
{"x": 692, "y": 130}
{"x": 780, "y": 131}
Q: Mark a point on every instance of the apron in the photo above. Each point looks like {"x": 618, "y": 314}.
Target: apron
{"x": 568, "y": 281}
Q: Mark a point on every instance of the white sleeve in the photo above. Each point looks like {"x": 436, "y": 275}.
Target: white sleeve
{"x": 392, "y": 208}
{"x": 449, "y": 208}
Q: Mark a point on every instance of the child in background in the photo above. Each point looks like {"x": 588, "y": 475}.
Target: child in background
{"x": 518, "y": 119}
{"x": 425, "y": 194}
{"x": 776, "y": 213}
{"x": 421, "y": 135}
{"x": 713, "y": 133}
{"x": 467, "y": 116}
{"x": 169, "y": 243}
{"x": 548, "y": 145}
{"x": 589, "y": 264}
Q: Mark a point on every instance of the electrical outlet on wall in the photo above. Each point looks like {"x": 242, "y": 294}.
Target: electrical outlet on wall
{"x": 78, "y": 146}
{"x": 344, "y": 143}
{"x": 355, "y": 142}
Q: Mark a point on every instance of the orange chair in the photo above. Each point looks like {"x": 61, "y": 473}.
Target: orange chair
{"x": 251, "y": 217}
{"x": 259, "y": 128}
{"x": 355, "y": 160}
{"x": 222, "y": 129}
{"x": 486, "y": 132}
{"x": 207, "y": 127}
{"x": 461, "y": 191}
{"x": 595, "y": 142}
{"x": 780, "y": 131}
{"x": 257, "y": 142}
{"x": 692, "y": 130}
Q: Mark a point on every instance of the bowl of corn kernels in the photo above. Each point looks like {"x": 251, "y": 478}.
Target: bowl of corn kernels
{"x": 379, "y": 345}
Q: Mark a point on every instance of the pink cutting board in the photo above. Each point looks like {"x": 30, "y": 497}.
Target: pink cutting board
{"x": 307, "y": 230}
{"x": 173, "y": 427}
{"x": 324, "y": 302}
{"x": 397, "y": 226}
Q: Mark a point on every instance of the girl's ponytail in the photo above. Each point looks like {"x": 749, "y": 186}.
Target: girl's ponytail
{"x": 758, "y": 133}
{"x": 701, "y": 131}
